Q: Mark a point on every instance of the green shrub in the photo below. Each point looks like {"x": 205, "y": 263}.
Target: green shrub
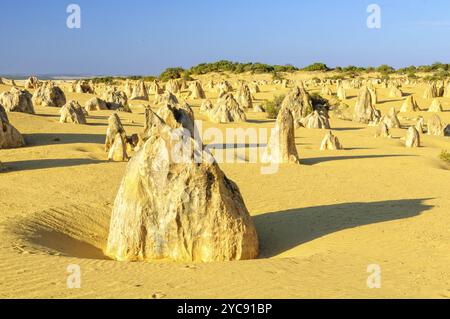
{"x": 171, "y": 74}
{"x": 273, "y": 107}
{"x": 316, "y": 67}
{"x": 445, "y": 156}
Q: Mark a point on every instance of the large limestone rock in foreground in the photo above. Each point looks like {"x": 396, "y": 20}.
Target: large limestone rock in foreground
{"x": 365, "y": 111}
{"x": 17, "y": 100}
{"x": 281, "y": 147}
{"x": 72, "y": 112}
{"x": 178, "y": 210}
{"x": 49, "y": 94}
{"x": 9, "y": 135}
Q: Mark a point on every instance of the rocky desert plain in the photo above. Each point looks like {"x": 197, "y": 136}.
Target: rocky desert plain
{"x": 361, "y": 181}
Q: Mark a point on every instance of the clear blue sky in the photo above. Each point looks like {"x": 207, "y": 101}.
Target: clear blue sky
{"x": 146, "y": 36}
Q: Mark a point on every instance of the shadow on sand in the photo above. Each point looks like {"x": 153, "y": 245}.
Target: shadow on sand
{"x": 317, "y": 160}
{"x": 49, "y": 163}
{"x": 37, "y": 139}
{"x": 284, "y": 230}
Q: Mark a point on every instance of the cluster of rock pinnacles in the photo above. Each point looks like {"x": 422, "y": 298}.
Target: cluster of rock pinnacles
{"x": 188, "y": 210}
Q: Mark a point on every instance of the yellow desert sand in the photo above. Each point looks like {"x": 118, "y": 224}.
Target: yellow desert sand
{"x": 321, "y": 224}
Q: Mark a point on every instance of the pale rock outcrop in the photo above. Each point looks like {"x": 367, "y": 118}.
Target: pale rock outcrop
{"x": 177, "y": 116}
{"x": 206, "y": 107}
{"x": 383, "y": 130}
{"x": 373, "y": 95}
{"x": 326, "y": 90}
{"x": 10, "y": 137}
{"x": 281, "y": 147}
{"x": 95, "y": 104}
{"x": 298, "y": 101}
{"x": 435, "y": 106}
{"x": 447, "y": 90}
{"x": 155, "y": 88}
{"x": 412, "y": 138}
{"x": 420, "y": 125}
{"x": 17, "y": 100}
{"x": 431, "y": 91}
{"x": 139, "y": 91}
{"x": 316, "y": 120}
{"x": 435, "y": 126}
{"x": 72, "y": 112}
{"x": 83, "y": 86}
{"x": 395, "y": 92}
{"x": 330, "y": 142}
{"x": 224, "y": 87}
{"x": 48, "y": 94}
{"x": 341, "y": 93}
{"x": 244, "y": 97}
{"x": 115, "y": 128}
{"x": 254, "y": 88}
{"x": 167, "y": 208}
{"x": 365, "y": 111}
{"x": 118, "y": 150}
{"x": 173, "y": 86}
{"x": 32, "y": 83}
{"x": 116, "y": 100}
{"x": 227, "y": 110}
{"x": 128, "y": 88}
{"x": 409, "y": 105}
{"x": 196, "y": 91}
{"x": 391, "y": 119}
{"x": 168, "y": 98}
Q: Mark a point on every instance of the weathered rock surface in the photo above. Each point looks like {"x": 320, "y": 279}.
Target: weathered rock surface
{"x": 115, "y": 127}
{"x": 95, "y": 104}
{"x": 227, "y": 110}
{"x": 409, "y": 105}
{"x": 435, "y": 106}
{"x": 48, "y": 94}
{"x": 412, "y": 138}
{"x": 196, "y": 90}
{"x": 139, "y": 91}
{"x": 365, "y": 111}
{"x": 72, "y": 112}
{"x": 10, "y": 137}
{"x": 116, "y": 100}
{"x": 435, "y": 126}
{"x": 17, "y": 100}
{"x": 316, "y": 120}
{"x": 178, "y": 210}
{"x": 281, "y": 147}
{"x": 330, "y": 142}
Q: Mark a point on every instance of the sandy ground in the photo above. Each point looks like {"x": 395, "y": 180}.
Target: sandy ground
{"x": 320, "y": 223}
